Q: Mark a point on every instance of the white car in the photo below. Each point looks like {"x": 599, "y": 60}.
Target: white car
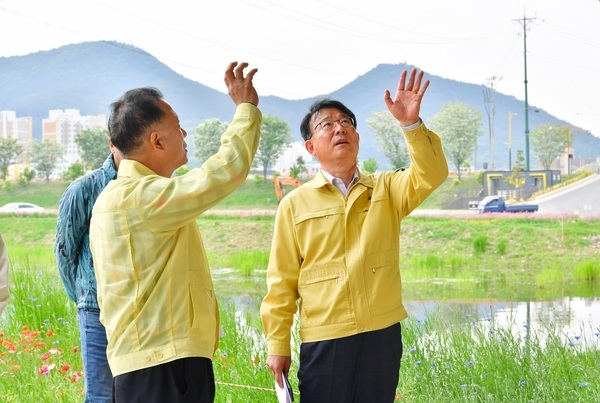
{"x": 22, "y": 208}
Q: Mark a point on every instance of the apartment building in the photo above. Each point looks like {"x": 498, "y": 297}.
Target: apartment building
{"x": 63, "y": 126}
{"x": 20, "y": 129}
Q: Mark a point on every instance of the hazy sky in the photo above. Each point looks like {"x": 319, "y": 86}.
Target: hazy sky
{"x": 305, "y": 48}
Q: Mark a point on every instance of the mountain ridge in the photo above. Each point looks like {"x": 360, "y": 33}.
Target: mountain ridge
{"x": 89, "y": 76}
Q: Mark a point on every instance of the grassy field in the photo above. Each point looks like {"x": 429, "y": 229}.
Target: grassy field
{"x": 249, "y": 196}
{"x": 472, "y": 257}
{"x": 524, "y": 256}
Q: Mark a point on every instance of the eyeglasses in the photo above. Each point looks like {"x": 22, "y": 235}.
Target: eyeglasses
{"x": 328, "y": 125}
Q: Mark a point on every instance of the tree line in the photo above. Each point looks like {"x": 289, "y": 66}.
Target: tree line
{"x": 458, "y": 125}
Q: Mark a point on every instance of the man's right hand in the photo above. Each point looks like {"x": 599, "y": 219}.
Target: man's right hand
{"x": 240, "y": 88}
{"x": 279, "y": 364}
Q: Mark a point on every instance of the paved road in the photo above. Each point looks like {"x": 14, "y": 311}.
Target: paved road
{"x": 581, "y": 198}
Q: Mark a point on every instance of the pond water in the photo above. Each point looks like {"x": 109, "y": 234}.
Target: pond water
{"x": 576, "y": 319}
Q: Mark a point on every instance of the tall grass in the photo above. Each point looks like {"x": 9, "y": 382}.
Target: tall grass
{"x": 524, "y": 258}
{"x": 588, "y": 270}
{"x": 475, "y": 359}
{"x": 40, "y": 359}
{"x": 482, "y": 361}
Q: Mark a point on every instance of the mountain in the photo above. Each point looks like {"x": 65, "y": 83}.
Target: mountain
{"x": 89, "y": 76}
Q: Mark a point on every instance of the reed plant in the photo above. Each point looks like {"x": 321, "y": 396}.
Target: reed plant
{"x": 588, "y": 270}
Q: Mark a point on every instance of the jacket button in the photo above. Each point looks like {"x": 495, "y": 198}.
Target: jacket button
{"x": 361, "y": 327}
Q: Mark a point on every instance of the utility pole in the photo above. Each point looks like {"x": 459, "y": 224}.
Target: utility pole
{"x": 569, "y": 156}
{"x": 524, "y": 23}
{"x": 490, "y": 101}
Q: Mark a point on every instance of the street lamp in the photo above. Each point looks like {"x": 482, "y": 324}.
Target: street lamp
{"x": 510, "y": 116}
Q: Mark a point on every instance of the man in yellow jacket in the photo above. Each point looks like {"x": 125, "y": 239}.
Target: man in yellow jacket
{"x": 335, "y": 251}
{"x": 155, "y": 290}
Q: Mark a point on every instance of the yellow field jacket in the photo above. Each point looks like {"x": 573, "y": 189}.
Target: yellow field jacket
{"x": 155, "y": 290}
{"x": 337, "y": 257}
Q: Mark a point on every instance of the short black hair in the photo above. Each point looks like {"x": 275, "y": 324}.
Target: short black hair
{"x": 131, "y": 114}
{"x": 305, "y": 128}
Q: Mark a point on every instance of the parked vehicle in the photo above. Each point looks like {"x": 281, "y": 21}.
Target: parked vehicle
{"x": 497, "y": 204}
{"x": 21, "y": 208}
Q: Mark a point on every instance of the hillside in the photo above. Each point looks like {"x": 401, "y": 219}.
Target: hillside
{"x": 89, "y": 76}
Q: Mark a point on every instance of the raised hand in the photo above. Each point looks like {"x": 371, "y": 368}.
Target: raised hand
{"x": 240, "y": 88}
{"x": 406, "y": 105}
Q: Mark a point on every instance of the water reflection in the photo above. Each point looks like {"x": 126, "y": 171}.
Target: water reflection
{"x": 574, "y": 319}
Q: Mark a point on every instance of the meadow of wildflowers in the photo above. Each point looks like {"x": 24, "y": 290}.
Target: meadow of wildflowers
{"x": 40, "y": 359}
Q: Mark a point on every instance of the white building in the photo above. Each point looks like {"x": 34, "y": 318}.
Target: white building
{"x": 289, "y": 157}
{"x": 62, "y": 126}
{"x": 20, "y": 129}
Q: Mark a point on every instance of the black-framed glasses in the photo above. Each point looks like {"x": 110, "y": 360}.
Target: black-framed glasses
{"x": 329, "y": 125}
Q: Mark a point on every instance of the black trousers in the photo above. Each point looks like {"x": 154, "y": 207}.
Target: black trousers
{"x": 362, "y": 369}
{"x": 180, "y": 381}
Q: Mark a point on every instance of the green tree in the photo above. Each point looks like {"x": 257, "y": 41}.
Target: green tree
{"x": 26, "y": 176}
{"x": 369, "y": 166}
{"x": 390, "y": 137}
{"x": 301, "y": 164}
{"x": 73, "y": 172}
{"x": 298, "y": 168}
{"x": 275, "y": 136}
{"x": 9, "y": 152}
{"x": 459, "y": 126}
{"x": 45, "y": 155}
{"x": 516, "y": 178}
{"x": 93, "y": 144}
{"x": 207, "y": 138}
{"x": 548, "y": 142}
